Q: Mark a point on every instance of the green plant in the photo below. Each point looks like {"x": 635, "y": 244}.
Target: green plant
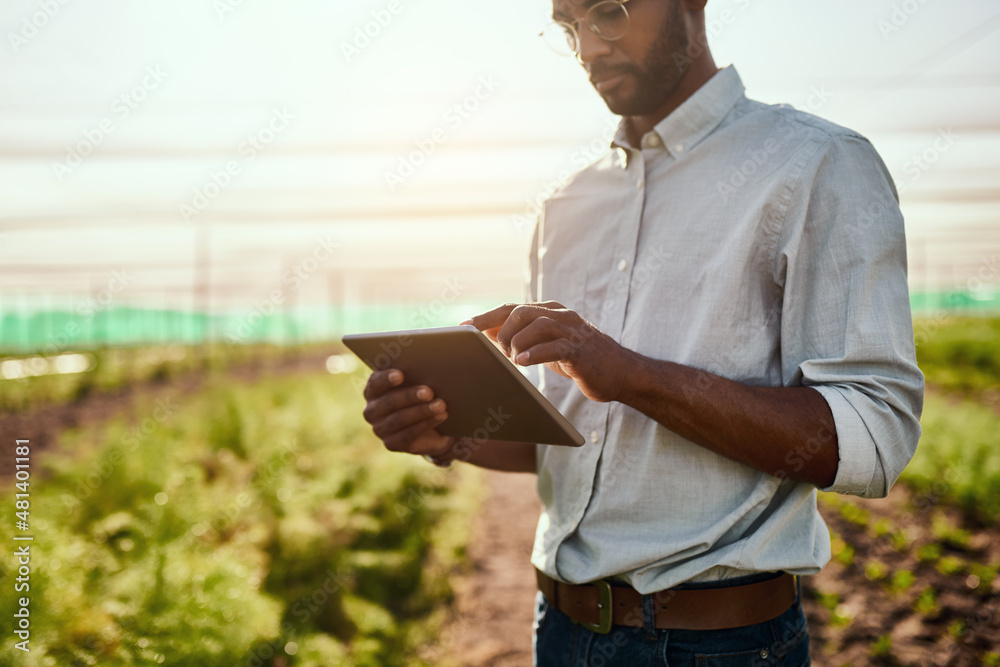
{"x": 951, "y": 565}
{"x": 928, "y": 553}
{"x": 256, "y": 521}
{"x": 842, "y": 552}
{"x": 882, "y": 527}
{"x": 984, "y": 575}
{"x": 959, "y": 353}
{"x": 875, "y": 571}
{"x": 949, "y": 534}
{"x": 957, "y": 460}
{"x": 882, "y": 647}
{"x": 827, "y": 600}
{"x": 926, "y": 603}
{"x": 855, "y": 514}
{"x": 902, "y": 580}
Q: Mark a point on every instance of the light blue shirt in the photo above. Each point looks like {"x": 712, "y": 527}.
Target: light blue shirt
{"x": 755, "y": 242}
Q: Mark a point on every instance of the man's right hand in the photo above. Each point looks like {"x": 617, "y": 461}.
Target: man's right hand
{"x": 404, "y": 418}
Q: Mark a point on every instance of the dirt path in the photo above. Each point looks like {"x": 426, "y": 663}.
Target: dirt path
{"x": 491, "y": 625}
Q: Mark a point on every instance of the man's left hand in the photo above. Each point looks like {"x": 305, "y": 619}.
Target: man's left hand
{"x": 551, "y": 334}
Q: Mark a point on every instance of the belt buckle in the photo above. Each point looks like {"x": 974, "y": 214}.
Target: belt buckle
{"x": 603, "y": 625}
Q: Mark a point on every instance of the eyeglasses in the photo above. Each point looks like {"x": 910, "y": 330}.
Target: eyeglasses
{"x": 607, "y": 19}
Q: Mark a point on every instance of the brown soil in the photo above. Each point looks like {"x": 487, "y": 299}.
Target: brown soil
{"x": 494, "y": 603}
{"x": 949, "y": 615}
{"x": 491, "y": 623}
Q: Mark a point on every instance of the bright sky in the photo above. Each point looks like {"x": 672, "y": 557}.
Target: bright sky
{"x": 161, "y": 96}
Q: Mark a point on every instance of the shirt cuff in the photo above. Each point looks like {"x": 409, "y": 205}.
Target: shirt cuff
{"x": 858, "y": 459}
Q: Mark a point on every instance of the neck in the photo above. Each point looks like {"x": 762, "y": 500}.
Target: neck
{"x": 702, "y": 69}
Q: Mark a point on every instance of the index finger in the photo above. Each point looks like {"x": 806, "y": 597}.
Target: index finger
{"x": 382, "y": 381}
{"x": 491, "y": 321}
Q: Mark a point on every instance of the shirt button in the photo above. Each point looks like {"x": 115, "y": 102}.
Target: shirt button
{"x": 638, "y": 186}
{"x": 653, "y": 140}
{"x": 679, "y": 148}
{"x": 622, "y": 264}
{"x": 594, "y": 436}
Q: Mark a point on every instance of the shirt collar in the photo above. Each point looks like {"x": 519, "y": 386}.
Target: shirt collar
{"x": 696, "y": 117}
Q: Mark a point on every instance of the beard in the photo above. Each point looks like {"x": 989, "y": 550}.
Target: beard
{"x": 655, "y": 79}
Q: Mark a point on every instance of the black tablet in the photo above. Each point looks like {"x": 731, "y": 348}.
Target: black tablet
{"x": 488, "y": 398}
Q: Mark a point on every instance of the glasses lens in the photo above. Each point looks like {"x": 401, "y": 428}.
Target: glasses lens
{"x": 561, "y": 38}
{"x": 608, "y": 20}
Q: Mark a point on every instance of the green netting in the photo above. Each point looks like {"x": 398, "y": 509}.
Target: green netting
{"x": 56, "y": 330}
{"x": 976, "y": 302}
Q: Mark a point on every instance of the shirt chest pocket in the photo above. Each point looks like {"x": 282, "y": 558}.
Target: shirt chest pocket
{"x": 576, "y": 287}
{"x": 574, "y": 258}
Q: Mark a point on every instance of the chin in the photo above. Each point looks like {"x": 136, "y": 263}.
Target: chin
{"x": 617, "y": 108}
{"x": 622, "y": 103}
{"x": 629, "y": 107}
{"x": 638, "y": 103}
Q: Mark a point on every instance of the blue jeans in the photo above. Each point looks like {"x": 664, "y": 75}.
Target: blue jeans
{"x": 559, "y": 642}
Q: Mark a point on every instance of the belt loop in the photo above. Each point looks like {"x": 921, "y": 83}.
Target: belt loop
{"x": 649, "y": 606}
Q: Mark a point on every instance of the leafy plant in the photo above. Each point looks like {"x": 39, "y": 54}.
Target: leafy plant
{"x": 926, "y": 603}
{"x": 256, "y": 522}
{"x": 875, "y": 571}
{"x": 957, "y": 460}
{"x": 950, "y": 565}
{"x": 882, "y": 647}
{"x": 959, "y": 353}
{"x": 827, "y": 600}
{"x": 949, "y": 534}
{"x": 928, "y": 553}
{"x": 842, "y": 552}
{"x": 855, "y": 514}
{"x": 902, "y": 580}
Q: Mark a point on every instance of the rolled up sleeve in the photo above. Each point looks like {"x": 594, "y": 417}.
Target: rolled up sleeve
{"x": 846, "y": 327}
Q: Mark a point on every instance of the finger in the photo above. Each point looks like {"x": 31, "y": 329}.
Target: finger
{"x": 377, "y": 409}
{"x": 540, "y": 330}
{"x": 404, "y": 418}
{"x": 521, "y": 317}
{"x": 548, "y": 352}
{"x": 492, "y": 319}
{"x": 403, "y": 440}
{"x": 382, "y": 381}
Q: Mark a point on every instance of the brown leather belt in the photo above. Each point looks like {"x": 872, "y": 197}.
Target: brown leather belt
{"x": 600, "y": 605}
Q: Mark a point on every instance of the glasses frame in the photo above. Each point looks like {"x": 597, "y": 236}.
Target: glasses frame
{"x": 571, "y": 28}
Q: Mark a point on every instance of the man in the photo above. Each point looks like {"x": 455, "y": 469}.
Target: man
{"x": 720, "y": 305}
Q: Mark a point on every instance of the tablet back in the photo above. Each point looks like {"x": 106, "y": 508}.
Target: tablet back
{"x": 487, "y": 396}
